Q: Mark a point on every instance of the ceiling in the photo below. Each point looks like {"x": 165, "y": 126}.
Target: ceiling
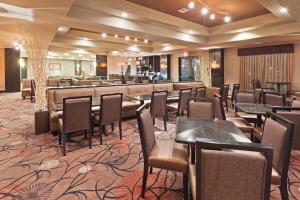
{"x": 237, "y": 9}
{"x": 88, "y": 27}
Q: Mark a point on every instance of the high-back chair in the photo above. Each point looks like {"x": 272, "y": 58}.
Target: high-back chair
{"x": 278, "y": 132}
{"x": 256, "y": 84}
{"x": 200, "y": 92}
{"x": 76, "y": 117}
{"x": 241, "y": 123}
{"x": 292, "y": 114}
{"x": 263, "y": 90}
{"x": 158, "y": 106}
{"x": 200, "y": 108}
{"x": 181, "y": 106}
{"x": 245, "y": 97}
{"x": 235, "y": 89}
{"x": 110, "y": 112}
{"x": 224, "y": 93}
{"x": 164, "y": 154}
{"x": 231, "y": 175}
{"x": 274, "y": 99}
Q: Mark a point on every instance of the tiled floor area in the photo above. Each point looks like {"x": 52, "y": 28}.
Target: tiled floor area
{"x": 32, "y": 167}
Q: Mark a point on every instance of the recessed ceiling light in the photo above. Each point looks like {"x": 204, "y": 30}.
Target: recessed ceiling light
{"x": 283, "y": 10}
{"x": 104, "y": 35}
{"x": 127, "y": 38}
{"x": 191, "y": 32}
{"x": 135, "y": 39}
{"x": 66, "y": 54}
{"x": 204, "y": 11}
{"x": 80, "y": 55}
{"x": 212, "y": 16}
{"x": 191, "y": 5}
{"x": 124, "y": 14}
{"x": 116, "y": 36}
{"x": 183, "y": 10}
{"x": 85, "y": 39}
{"x": 227, "y": 19}
{"x": 146, "y": 40}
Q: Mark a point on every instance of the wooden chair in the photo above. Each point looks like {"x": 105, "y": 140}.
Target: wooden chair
{"x": 158, "y": 106}
{"x": 109, "y": 113}
{"x": 224, "y": 94}
{"x": 245, "y": 97}
{"x": 200, "y": 92}
{"x": 223, "y": 171}
{"x": 278, "y": 132}
{"x": 76, "y": 117}
{"x": 274, "y": 99}
{"x": 181, "y": 106}
{"x": 235, "y": 89}
{"x": 200, "y": 108}
{"x": 164, "y": 154}
{"x": 241, "y": 123}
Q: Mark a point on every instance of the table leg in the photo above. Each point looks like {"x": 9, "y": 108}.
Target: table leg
{"x": 142, "y": 102}
{"x": 259, "y": 120}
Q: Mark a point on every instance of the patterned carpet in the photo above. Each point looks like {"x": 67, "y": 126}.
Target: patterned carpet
{"x": 32, "y": 167}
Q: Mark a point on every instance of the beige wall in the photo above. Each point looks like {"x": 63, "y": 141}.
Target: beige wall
{"x": 232, "y": 67}
{"x": 2, "y": 69}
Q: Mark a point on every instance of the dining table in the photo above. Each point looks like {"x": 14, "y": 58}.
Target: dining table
{"x": 221, "y": 131}
{"x": 58, "y": 106}
{"x": 146, "y": 97}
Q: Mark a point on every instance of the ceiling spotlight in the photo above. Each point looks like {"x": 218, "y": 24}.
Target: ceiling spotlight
{"x": 116, "y": 36}
{"x": 135, "y": 39}
{"x": 227, "y": 19}
{"x": 204, "y": 11}
{"x": 191, "y": 32}
{"x": 212, "y": 16}
{"x": 124, "y": 14}
{"x": 146, "y": 41}
{"x": 66, "y": 54}
{"x": 283, "y": 10}
{"x": 191, "y": 5}
{"x": 127, "y": 38}
{"x": 104, "y": 35}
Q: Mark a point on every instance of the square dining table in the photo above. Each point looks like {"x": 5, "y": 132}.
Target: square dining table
{"x": 144, "y": 97}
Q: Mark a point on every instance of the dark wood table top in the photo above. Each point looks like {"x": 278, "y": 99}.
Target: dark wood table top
{"x": 59, "y": 105}
{"x": 254, "y": 108}
{"x": 144, "y": 97}
{"x": 188, "y": 129}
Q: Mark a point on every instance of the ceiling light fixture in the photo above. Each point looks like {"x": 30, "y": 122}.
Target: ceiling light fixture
{"x": 191, "y": 32}
{"x": 191, "y": 5}
{"x": 135, "y": 39}
{"x": 212, "y": 17}
{"x": 204, "y": 11}
{"x": 127, "y": 38}
{"x": 116, "y": 36}
{"x": 283, "y": 10}
{"x": 104, "y": 35}
{"x": 124, "y": 14}
{"x": 227, "y": 19}
{"x": 146, "y": 41}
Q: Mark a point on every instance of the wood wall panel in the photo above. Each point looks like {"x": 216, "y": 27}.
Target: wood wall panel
{"x": 101, "y": 69}
{"x": 12, "y": 70}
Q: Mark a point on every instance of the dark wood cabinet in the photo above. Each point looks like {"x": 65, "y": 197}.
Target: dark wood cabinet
{"x": 12, "y": 70}
{"x": 101, "y": 69}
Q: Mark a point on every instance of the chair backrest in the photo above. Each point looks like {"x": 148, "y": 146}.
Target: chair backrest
{"x": 292, "y": 114}
{"x": 244, "y": 97}
{"x": 184, "y": 94}
{"x": 296, "y": 103}
{"x": 278, "y": 132}
{"x": 33, "y": 87}
{"x": 111, "y": 108}
{"x": 235, "y": 89}
{"x": 200, "y": 108}
{"x": 159, "y": 103}
{"x": 219, "y": 108}
{"x": 146, "y": 130}
{"x": 256, "y": 84}
{"x": 273, "y": 98}
{"x": 200, "y": 92}
{"x": 233, "y": 175}
{"x": 224, "y": 92}
{"x": 66, "y": 82}
{"x": 76, "y": 113}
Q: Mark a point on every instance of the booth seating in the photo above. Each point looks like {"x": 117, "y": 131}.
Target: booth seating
{"x": 129, "y": 106}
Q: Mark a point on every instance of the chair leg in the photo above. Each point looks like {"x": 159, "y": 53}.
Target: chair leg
{"x": 145, "y": 176}
{"x": 85, "y": 134}
{"x": 100, "y": 133}
{"x": 64, "y": 144}
{"x": 153, "y": 120}
{"x": 112, "y": 126}
{"x": 284, "y": 191}
{"x": 59, "y": 137}
{"x": 151, "y": 170}
{"x": 120, "y": 129}
{"x": 90, "y": 138}
{"x": 226, "y": 105}
{"x": 185, "y": 185}
{"x": 165, "y": 122}
{"x": 193, "y": 153}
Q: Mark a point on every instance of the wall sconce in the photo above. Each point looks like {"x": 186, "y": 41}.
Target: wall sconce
{"x": 214, "y": 65}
